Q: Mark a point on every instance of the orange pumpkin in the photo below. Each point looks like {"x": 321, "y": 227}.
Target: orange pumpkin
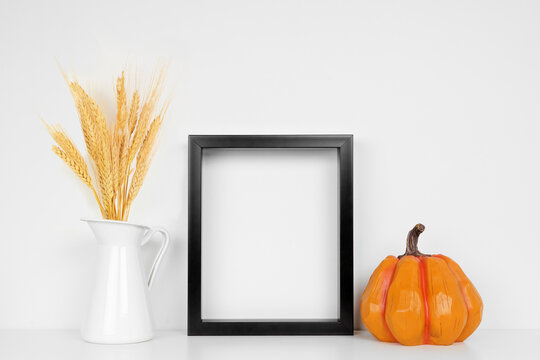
{"x": 419, "y": 299}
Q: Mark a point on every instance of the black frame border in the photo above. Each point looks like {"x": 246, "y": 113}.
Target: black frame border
{"x": 341, "y": 326}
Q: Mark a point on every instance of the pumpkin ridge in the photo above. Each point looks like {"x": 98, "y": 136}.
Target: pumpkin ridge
{"x": 376, "y": 294}
{"x": 422, "y": 268}
{"x": 467, "y": 302}
{"x": 385, "y": 299}
{"x": 405, "y": 312}
{"x": 466, "y": 297}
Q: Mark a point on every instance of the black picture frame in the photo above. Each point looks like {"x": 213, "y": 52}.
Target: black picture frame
{"x": 341, "y": 326}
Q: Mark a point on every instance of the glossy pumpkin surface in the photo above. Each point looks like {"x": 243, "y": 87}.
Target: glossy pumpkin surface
{"x": 419, "y": 299}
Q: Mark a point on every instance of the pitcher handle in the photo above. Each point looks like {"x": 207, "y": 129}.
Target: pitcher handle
{"x": 161, "y": 252}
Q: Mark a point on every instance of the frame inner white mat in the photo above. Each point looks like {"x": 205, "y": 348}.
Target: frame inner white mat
{"x": 270, "y": 234}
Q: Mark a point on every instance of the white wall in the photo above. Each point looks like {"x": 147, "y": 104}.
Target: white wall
{"x": 442, "y": 97}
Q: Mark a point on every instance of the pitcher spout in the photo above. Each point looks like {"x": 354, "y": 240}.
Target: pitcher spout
{"x": 113, "y": 232}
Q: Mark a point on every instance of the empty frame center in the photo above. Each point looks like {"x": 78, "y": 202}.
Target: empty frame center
{"x": 270, "y": 234}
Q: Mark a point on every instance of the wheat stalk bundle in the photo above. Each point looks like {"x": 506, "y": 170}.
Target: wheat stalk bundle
{"x": 120, "y": 152}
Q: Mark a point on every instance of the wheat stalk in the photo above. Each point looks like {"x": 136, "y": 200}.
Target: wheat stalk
{"x": 113, "y": 149}
{"x": 121, "y": 103}
{"x": 143, "y": 159}
{"x": 134, "y": 109}
{"x": 88, "y": 127}
{"x": 80, "y": 169}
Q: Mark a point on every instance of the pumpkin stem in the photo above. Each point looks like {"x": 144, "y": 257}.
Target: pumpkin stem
{"x": 412, "y": 242}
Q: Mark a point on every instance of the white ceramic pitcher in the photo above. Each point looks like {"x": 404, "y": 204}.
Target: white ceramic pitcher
{"x": 119, "y": 310}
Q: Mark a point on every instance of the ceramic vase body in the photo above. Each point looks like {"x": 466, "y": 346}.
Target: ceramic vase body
{"x": 119, "y": 311}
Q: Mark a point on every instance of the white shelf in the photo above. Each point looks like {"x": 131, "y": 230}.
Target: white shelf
{"x": 59, "y": 345}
